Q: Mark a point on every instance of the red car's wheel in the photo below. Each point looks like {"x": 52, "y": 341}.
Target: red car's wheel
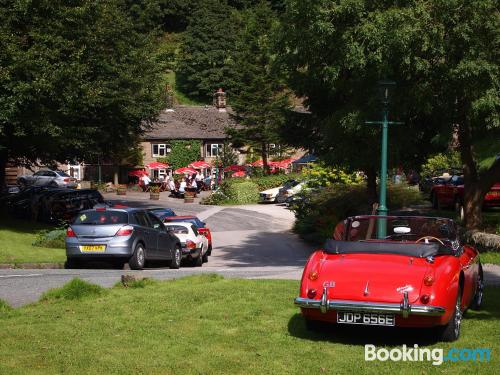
{"x": 451, "y": 331}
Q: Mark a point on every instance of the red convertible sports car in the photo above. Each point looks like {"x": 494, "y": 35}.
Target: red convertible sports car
{"x": 403, "y": 271}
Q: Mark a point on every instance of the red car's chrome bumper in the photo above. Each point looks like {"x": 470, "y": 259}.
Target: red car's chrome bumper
{"x": 403, "y": 308}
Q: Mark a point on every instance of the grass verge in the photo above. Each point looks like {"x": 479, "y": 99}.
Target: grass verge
{"x": 16, "y": 243}
{"x": 210, "y": 325}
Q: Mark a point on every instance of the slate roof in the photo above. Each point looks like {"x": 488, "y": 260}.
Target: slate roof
{"x": 190, "y": 122}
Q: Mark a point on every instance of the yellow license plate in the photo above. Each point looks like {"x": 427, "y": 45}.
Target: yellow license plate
{"x": 93, "y": 248}
{"x": 494, "y": 193}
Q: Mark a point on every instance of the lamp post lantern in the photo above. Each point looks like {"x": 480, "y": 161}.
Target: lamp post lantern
{"x": 385, "y": 87}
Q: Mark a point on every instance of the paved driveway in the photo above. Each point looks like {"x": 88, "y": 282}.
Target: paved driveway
{"x": 249, "y": 242}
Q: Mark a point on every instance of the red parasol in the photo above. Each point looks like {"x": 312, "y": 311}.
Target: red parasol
{"x": 185, "y": 170}
{"x": 258, "y": 163}
{"x": 157, "y": 165}
{"x": 200, "y": 164}
{"x": 235, "y": 168}
{"x": 138, "y": 173}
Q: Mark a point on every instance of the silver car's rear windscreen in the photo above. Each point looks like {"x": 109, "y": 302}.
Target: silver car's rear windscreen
{"x": 101, "y": 218}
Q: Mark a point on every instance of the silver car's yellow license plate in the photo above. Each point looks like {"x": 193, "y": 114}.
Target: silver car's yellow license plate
{"x": 93, "y": 248}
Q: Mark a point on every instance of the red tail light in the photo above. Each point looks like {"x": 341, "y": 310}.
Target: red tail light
{"x": 70, "y": 232}
{"x": 425, "y": 299}
{"x": 311, "y": 293}
{"x": 190, "y": 244}
{"x": 125, "y": 231}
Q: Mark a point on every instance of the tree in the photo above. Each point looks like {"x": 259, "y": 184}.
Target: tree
{"x": 442, "y": 55}
{"x": 206, "y": 57}
{"x": 77, "y": 81}
{"x": 259, "y": 101}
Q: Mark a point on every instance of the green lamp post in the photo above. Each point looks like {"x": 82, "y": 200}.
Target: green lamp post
{"x": 385, "y": 87}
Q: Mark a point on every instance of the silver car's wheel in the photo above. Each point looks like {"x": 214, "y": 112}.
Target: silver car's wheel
{"x": 175, "y": 263}
{"x": 138, "y": 259}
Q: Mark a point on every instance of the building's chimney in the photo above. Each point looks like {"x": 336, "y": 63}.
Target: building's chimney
{"x": 169, "y": 98}
{"x": 220, "y": 100}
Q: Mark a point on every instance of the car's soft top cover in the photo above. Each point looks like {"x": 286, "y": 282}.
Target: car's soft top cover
{"x": 420, "y": 250}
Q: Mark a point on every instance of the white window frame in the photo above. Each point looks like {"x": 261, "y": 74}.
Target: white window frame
{"x": 213, "y": 149}
{"x": 163, "y": 149}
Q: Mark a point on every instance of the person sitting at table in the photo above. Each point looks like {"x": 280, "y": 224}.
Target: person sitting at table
{"x": 173, "y": 190}
{"x": 182, "y": 187}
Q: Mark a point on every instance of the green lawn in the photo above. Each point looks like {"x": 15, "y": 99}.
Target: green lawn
{"x": 16, "y": 238}
{"x": 210, "y": 325}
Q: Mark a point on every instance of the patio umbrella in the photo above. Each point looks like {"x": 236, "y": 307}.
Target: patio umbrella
{"x": 285, "y": 163}
{"x": 235, "y": 168}
{"x": 258, "y": 163}
{"x": 200, "y": 164}
{"x": 185, "y": 170}
{"x": 138, "y": 173}
{"x": 239, "y": 174}
{"x": 157, "y": 165}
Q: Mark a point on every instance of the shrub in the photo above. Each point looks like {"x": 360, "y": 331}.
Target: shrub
{"x": 272, "y": 181}
{"x": 323, "y": 175}
{"x": 321, "y": 209}
{"x": 234, "y": 191}
{"x": 440, "y": 163}
{"x": 51, "y": 238}
{"x": 75, "y": 289}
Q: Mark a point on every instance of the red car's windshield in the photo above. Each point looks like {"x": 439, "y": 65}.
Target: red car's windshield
{"x": 400, "y": 228}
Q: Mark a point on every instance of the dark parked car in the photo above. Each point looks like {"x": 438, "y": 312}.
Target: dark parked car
{"x": 162, "y": 212}
{"x": 51, "y": 204}
{"x": 125, "y": 235}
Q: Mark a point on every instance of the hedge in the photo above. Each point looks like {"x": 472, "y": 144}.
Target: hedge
{"x": 322, "y": 209}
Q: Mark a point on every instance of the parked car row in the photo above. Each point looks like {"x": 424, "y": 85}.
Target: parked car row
{"x": 50, "y": 204}
{"x": 135, "y": 236}
{"x": 280, "y": 194}
{"x": 47, "y": 178}
{"x": 448, "y": 192}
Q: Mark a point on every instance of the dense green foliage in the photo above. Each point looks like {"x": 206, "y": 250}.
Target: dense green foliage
{"x": 206, "y": 60}
{"x": 234, "y": 191}
{"x": 321, "y": 210}
{"x": 442, "y": 53}
{"x": 439, "y": 163}
{"x": 182, "y": 153}
{"x": 320, "y": 174}
{"x": 259, "y": 100}
{"x": 275, "y": 180}
{"x": 77, "y": 79}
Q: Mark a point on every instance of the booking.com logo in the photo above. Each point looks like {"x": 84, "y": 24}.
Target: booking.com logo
{"x": 436, "y": 355}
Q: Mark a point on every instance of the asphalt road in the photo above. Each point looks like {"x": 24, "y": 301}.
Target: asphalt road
{"x": 249, "y": 242}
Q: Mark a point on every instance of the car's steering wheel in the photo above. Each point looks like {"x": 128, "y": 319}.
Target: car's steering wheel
{"x": 430, "y": 238}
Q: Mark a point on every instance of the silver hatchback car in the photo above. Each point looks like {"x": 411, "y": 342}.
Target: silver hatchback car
{"x": 126, "y": 235}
